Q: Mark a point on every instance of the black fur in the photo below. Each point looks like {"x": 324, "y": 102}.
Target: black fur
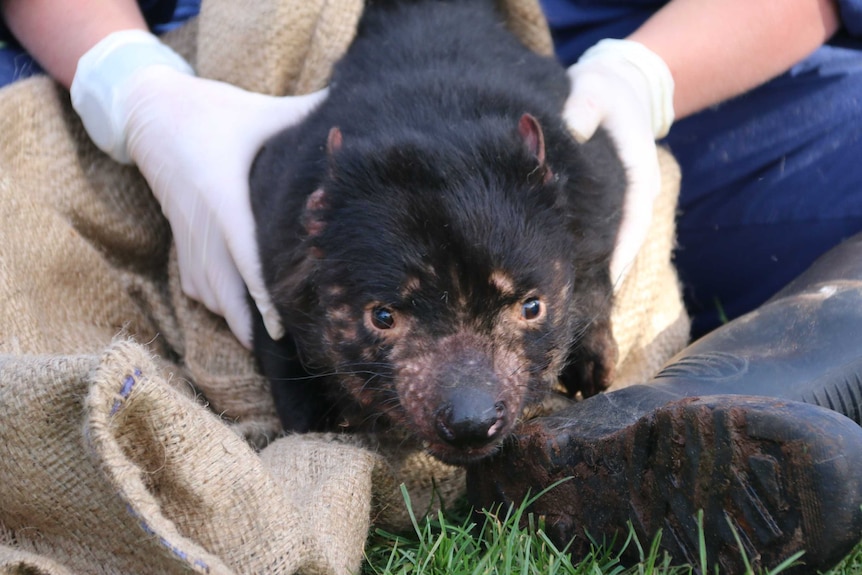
{"x": 433, "y": 181}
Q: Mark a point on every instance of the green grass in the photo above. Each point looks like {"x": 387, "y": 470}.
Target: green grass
{"x": 456, "y": 542}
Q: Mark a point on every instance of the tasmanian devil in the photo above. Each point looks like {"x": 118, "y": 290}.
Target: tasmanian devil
{"x": 435, "y": 241}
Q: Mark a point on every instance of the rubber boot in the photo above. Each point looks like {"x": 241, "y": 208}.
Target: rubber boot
{"x": 755, "y": 425}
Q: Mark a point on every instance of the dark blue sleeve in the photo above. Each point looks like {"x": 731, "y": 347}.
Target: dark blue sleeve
{"x": 15, "y": 63}
{"x": 157, "y": 11}
{"x": 578, "y": 24}
{"x": 5, "y": 34}
{"x": 851, "y": 16}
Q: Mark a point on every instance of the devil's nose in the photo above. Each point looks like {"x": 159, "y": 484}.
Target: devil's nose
{"x": 471, "y": 419}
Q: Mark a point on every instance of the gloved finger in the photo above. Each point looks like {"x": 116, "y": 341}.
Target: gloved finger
{"x": 582, "y": 112}
{"x": 299, "y": 106}
{"x": 634, "y": 228}
{"x": 644, "y": 182}
{"x": 583, "y": 118}
{"x": 242, "y": 247}
{"x": 225, "y": 288}
{"x": 250, "y": 268}
{"x": 234, "y": 302}
{"x": 191, "y": 237}
{"x": 209, "y": 275}
{"x": 273, "y": 114}
{"x": 221, "y": 267}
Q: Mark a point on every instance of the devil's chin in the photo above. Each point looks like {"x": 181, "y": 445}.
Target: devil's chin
{"x": 460, "y": 455}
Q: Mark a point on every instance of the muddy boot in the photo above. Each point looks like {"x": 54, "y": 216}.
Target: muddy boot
{"x": 728, "y": 427}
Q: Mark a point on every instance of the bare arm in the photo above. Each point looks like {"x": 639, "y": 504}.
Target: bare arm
{"x": 57, "y": 34}
{"x": 718, "y": 49}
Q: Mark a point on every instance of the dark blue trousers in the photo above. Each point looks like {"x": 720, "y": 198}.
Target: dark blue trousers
{"x": 770, "y": 180}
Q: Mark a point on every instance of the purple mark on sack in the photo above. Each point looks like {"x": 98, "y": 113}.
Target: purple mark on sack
{"x": 125, "y": 390}
{"x": 198, "y": 564}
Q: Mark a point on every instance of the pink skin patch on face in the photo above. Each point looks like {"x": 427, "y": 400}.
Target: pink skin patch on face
{"x": 421, "y": 397}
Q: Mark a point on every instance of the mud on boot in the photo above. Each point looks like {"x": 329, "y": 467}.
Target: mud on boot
{"x": 785, "y": 476}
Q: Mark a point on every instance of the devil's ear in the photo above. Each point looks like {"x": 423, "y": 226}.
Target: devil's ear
{"x": 333, "y": 140}
{"x": 533, "y": 137}
{"x": 312, "y": 216}
{"x": 317, "y": 202}
{"x": 531, "y": 132}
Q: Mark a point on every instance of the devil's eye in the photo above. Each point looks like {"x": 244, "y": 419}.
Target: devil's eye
{"x": 382, "y": 318}
{"x": 531, "y": 309}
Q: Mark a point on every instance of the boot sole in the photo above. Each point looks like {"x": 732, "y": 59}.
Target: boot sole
{"x": 778, "y": 476}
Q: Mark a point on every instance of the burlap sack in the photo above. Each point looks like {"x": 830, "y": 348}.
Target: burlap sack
{"x": 128, "y": 410}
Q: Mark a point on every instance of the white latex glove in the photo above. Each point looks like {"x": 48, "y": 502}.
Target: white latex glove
{"x": 628, "y": 89}
{"x": 194, "y": 141}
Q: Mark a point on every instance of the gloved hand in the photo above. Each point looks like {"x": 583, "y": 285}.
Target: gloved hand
{"x": 194, "y": 141}
{"x": 628, "y": 89}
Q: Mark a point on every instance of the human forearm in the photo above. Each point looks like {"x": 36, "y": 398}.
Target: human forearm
{"x": 718, "y": 49}
{"x": 57, "y": 34}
